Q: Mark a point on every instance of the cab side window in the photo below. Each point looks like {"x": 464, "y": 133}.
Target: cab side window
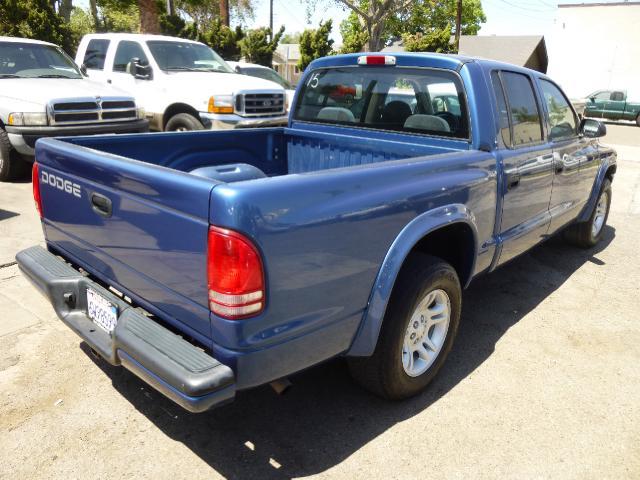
{"x": 125, "y": 52}
{"x": 562, "y": 120}
{"x": 95, "y": 54}
{"x": 523, "y": 109}
{"x": 617, "y": 96}
{"x": 503, "y": 112}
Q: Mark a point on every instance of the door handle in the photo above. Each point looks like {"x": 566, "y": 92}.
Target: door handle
{"x": 101, "y": 205}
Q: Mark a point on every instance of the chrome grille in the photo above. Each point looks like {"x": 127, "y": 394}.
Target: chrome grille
{"x": 91, "y": 110}
{"x": 260, "y": 104}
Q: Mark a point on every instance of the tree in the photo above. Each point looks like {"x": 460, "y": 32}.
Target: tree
{"x": 428, "y": 26}
{"x": 149, "y": 17}
{"x": 257, "y": 48}
{"x": 424, "y": 25}
{"x": 373, "y": 16}
{"x": 315, "y": 44}
{"x": 291, "y": 37}
{"x": 32, "y": 19}
{"x": 225, "y": 41}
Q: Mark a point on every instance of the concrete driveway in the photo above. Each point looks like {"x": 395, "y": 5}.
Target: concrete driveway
{"x": 543, "y": 382}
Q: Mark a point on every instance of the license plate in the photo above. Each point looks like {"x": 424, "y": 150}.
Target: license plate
{"x": 101, "y": 311}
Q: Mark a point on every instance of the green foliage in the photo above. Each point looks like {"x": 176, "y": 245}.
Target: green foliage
{"x": 120, "y": 16}
{"x": 315, "y": 43}
{"x": 80, "y": 24}
{"x": 354, "y": 36}
{"x": 426, "y": 25}
{"x": 32, "y": 19}
{"x": 291, "y": 37}
{"x": 224, "y": 40}
{"x": 256, "y": 47}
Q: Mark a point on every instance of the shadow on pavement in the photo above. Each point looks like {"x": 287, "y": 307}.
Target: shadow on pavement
{"x": 4, "y": 214}
{"x": 325, "y": 417}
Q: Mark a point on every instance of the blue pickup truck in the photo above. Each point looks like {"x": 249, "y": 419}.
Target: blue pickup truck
{"x": 212, "y": 262}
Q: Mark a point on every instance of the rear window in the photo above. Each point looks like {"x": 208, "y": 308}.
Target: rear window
{"x": 420, "y": 100}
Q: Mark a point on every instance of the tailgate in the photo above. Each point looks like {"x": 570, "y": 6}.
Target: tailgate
{"x": 136, "y": 226}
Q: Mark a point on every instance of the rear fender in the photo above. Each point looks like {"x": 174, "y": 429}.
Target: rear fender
{"x": 609, "y": 160}
{"x": 426, "y": 223}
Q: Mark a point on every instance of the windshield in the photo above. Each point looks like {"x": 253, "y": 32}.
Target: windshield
{"x": 32, "y": 60}
{"x": 267, "y": 74}
{"x": 187, "y": 57}
{"x": 413, "y": 100}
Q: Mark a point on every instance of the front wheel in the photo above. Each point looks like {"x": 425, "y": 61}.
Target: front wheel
{"x": 638, "y": 120}
{"x": 417, "y": 332}
{"x": 12, "y": 166}
{"x": 588, "y": 234}
{"x": 183, "y": 122}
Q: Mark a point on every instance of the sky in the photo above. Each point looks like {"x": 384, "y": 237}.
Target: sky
{"x": 504, "y": 17}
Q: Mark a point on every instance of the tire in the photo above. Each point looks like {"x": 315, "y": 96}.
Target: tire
{"x": 638, "y": 120}
{"x": 183, "y": 122}
{"x": 12, "y": 166}
{"x": 588, "y": 234}
{"x": 388, "y": 372}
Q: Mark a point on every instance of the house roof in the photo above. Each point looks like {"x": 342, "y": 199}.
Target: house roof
{"x": 526, "y": 51}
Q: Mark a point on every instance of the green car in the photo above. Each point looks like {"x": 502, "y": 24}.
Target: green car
{"x": 612, "y": 105}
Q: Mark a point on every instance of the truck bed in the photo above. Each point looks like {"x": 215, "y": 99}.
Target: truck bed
{"x": 323, "y": 230}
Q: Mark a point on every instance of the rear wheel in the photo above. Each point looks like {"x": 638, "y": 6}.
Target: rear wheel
{"x": 12, "y": 166}
{"x": 589, "y": 233}
{"x": 418, "y": 330}
{"x": 638, "y": 120}
{"x": 183, "y": 122}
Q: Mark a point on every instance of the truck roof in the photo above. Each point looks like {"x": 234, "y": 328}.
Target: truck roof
{"x": 137, "y": 36}
{"x": 24, "y": 40}
{"x": 421, "y": 59}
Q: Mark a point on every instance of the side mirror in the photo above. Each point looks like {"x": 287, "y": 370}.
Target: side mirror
{"x": 592, "y": 128}
{"x": 139, "y": 70}
{"x": 592, "y": 99}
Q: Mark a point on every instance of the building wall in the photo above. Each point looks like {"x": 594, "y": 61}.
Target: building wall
{"x": 596, "y": 47}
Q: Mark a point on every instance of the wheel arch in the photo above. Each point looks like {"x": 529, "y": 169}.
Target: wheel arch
{"x": 608, "y": 168}
{"x": 448, "y": 232}
{"x": 176, "y": 108}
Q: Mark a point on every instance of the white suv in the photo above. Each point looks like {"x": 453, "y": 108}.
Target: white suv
{"x": 44, "y": 94}
{"x": 182, "y": 84}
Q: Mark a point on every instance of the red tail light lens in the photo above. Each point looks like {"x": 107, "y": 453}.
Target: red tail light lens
{"x": 35, "y": 184}
{"x": 235, "y": 275}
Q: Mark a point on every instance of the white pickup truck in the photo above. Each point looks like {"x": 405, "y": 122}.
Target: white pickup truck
{"x": 182, "y": 84}
{"x": 44, "y": 94}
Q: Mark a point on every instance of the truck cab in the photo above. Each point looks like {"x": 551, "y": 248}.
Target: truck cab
{"x": 44, "y": 94}
{"x": 613, "y": 105}
{"x": 182, "y": 84}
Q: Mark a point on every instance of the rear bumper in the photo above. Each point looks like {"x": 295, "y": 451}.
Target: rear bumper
{"x": 23, "y": 139}
{"x": 176, "y": 368}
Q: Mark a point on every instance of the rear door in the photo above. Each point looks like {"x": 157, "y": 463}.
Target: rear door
{"x": 138, "y": 227}
{"x": 616, "y": 105}
{"x": 527, "y": 162}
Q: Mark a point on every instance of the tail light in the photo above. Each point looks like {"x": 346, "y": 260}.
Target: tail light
{"x": 234, "y": 275}
{"x": 35, "y": 183}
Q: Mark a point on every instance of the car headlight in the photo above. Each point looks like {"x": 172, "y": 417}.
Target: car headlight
{"x": 36, "y": 119}
{"x": 220, "y": 104}
{"x": 141, "y": 113}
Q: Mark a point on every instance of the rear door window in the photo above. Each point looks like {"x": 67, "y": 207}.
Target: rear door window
{"x": 412, "y": 100}
{"x": 96, "y": 54}
{"x": 523, "y": 109}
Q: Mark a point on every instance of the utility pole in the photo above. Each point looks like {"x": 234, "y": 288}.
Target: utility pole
{"x": 271, "y": 18}
{"x": 458, "y": 25}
